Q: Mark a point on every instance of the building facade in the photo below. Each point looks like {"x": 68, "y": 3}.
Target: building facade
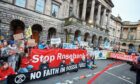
{"x": 115, "y": 30}
{"x": 130, "y": 36}
{"x": 82, "y": 20}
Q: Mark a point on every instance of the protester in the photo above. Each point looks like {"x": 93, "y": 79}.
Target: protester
{"x": 83, "y": 60}
{"x": 25, "y": 64}
{"x": 139, "y": 49}
{"x": 12, "y": 55}
{"x": 44, "y": 65}
{"x": 93, "y": 61}
{"x": 5, "y": 71}
{"x": 4, "y": 51}
{"x": 63, "y": 63}
{"x": 1, "y": 63}
{"x": 72, "y": 63}
{"x": 89, "y": 63}
{"x": 42, "y": 45}
{"x": 137, "y": 65}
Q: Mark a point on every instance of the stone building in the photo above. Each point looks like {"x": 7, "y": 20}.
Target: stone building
{"x": 115, "y": 30}
{"x": 85, "y": 20}
{"x": 130, "y": 36}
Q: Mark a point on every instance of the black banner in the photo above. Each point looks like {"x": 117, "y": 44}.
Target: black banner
{"x": 36, "y": 75}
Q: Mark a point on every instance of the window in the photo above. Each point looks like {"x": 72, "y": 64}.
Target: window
{"x": 55, "y": 10}
{"x": 20, "y": 3}
{"x": 131, "y": 37}
{"x": 70, "y": 12}
{"x": 40, "y": 5}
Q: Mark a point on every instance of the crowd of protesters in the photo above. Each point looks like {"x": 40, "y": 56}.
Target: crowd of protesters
{"x": 12, "y": 61}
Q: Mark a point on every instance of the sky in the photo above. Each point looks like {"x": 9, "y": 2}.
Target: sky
{"x": 128, "y": 10}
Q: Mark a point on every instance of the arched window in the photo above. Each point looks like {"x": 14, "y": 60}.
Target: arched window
{"x": 40, "y": 5}
{"x": 51, "y": 33}
{"x": 86, "y": 36}
{"x": 20, "y": 3}
{"x": 36, "y": 29}
{"x": 17, "y": 26}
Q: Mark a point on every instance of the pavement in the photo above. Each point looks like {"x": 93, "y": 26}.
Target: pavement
{"x": 119, "y": 74}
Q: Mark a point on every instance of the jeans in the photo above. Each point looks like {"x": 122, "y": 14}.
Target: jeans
{"x": 13, "y": 65}
{"x": 3, "y": 81}
{"x": 25, "y": 70}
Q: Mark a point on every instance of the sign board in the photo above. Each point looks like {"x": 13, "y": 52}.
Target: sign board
{"x": 18, "y": 36}
{"x": 31, "y": 42}
{"x": 69, "y": 46}
{"x": 20, "y": 45}
{"x": 103, "y": 54}
{"x": 107, "y": 44}
{"x": 55, "y": 41}
{"x": 82, "y": 43}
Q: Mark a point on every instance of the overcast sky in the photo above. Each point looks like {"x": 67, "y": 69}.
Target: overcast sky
{"x": 129, "y": 10}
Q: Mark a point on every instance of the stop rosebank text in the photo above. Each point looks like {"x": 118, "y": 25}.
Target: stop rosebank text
{"x": 55, "y": 56}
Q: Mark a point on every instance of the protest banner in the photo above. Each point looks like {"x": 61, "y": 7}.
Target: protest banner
{"x": 55, "y": 41}
{"x": 55, "y": 56}
{"x": 123, "y": 57}
{"x": 18, "y": 36}
{"x": 100, "y": 54}
{"x": 39, "y": 74}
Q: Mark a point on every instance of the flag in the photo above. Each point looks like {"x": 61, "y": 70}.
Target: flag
{"x": 28, "y": 32}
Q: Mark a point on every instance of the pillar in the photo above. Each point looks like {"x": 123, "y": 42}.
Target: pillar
{"x": 98, "y": 15}
{"x": 84, "y": 10}
{"x": 104, "y": 19}
{"x": 108, "y": 20}
{"x": 75, "y": 8}
{"x": 92, "y": 12}
{"x": 78, "y": 8}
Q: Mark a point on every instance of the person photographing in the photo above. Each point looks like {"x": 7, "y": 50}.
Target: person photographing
{"x": 137, "y": 66}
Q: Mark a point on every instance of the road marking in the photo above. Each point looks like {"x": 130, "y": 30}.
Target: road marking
{"x": 112, "y": 68}
{"x": 119, "y": 77}
{"x": 117, "y": 66}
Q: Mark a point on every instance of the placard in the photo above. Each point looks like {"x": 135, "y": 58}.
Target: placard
{"x": 18, "y": 36}
{"x": 31, "y": 43}
{"x": 69, "y": 46}
{"x": 82, "y": 43}
{"x": 55, "y": 41}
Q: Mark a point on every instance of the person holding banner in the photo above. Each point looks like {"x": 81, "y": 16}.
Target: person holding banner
{"x": 25, "y": 64}
{"x": 63, "y": 63}
{"x": 44, "y": 65}
{"x": 12, "y": 55}
{"x": 42, "y": 45}
{"x": 5, "y": 71}
{"x": 72, "y": 63}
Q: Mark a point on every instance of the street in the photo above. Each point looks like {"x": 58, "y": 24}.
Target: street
{"x": 119, "y": 74}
